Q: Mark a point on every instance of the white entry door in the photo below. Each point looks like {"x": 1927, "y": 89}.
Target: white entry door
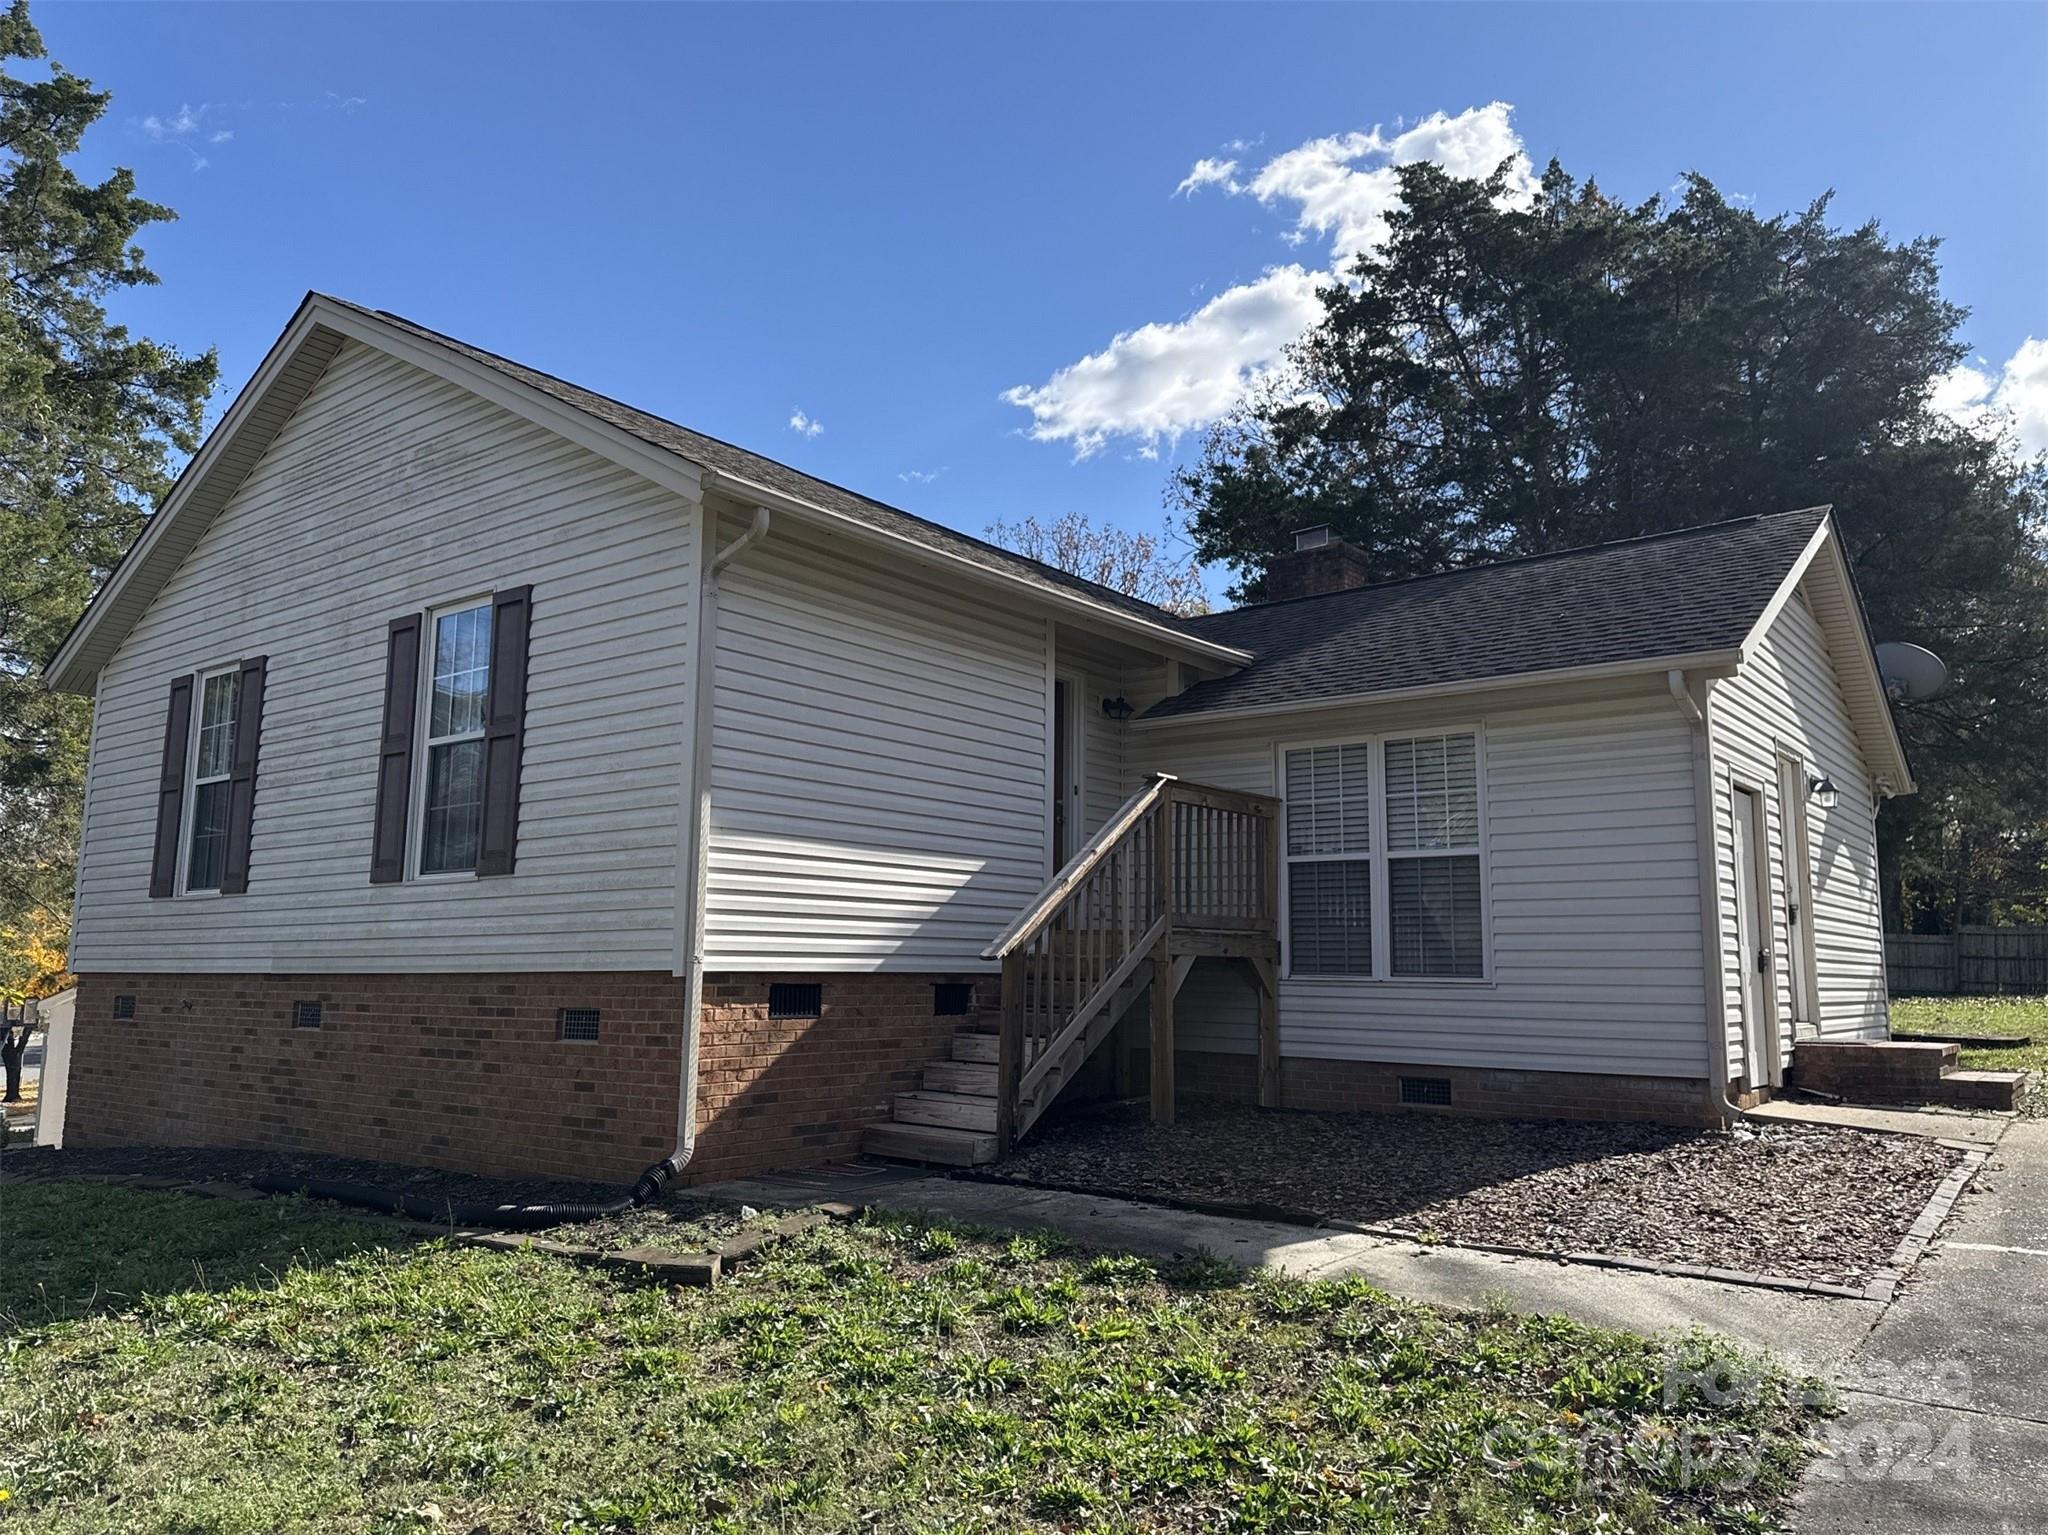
{"x": 1753, "y": 940}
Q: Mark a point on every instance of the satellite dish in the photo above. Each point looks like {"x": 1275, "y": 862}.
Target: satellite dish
{"x": 1910, "y": 672}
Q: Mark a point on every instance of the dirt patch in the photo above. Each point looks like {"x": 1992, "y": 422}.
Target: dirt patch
{"x": 228, "y": 1165}
{"x": 680, "y": 1224}
{"x": 1803, "y": 1201}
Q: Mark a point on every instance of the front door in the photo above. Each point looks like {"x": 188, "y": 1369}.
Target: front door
{"x": 1753, "y": 945}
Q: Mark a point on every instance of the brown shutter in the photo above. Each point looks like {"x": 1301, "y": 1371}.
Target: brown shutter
{"x": 394, "y": 760}
{"x": 504, "y": 729}
{"x": 234, "y": 879}
{"x": 170, "y": 789}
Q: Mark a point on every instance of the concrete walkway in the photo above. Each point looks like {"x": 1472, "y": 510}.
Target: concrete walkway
{"x": 1945, "y": 1422}
{"x": 1816, "y": 1334}
{"x": 1983, "y": 1129}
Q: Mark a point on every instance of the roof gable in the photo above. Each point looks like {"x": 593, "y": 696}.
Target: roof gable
{"x": 668, "y": 454}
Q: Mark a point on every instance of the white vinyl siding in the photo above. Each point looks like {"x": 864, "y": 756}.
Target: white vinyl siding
{"x": 879, "y": 778}
{"x": 1592, "y": 880}
{"x": 390, "y": 490}
{"x": 1787, "y": 700}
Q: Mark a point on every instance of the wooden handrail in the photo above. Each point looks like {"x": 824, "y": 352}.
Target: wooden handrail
{"x": 1077, "y": 868}
{"x": 1174, "y": 854}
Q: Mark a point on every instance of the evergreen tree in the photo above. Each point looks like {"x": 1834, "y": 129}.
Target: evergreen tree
{"x": 1507, "y": 377}
{"x": 92, "y": 420}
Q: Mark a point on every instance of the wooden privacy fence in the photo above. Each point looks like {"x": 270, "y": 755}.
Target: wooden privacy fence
{"x": 1977, "y": 961}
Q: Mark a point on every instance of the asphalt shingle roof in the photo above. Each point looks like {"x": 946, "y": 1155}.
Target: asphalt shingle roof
{"x": 1698, "y": 589}
{"x": 1695, "y": 590}
{"x": 725, "y": 457}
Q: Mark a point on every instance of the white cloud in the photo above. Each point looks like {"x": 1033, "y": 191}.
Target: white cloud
{"x": 1160, "y": 380}
{"x": 221, "y": 137}
{"x": 2015, "y": 397}
{"x": 180, "y": 124}
{"x": 1163, "y": 379}
{"x": 804, "y": 426}
{"x": 920, "y": 476}
{"x": 1209, "y": 173}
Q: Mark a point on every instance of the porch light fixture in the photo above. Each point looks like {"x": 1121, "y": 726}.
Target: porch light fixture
{"x": 1821, "y": 791}
{"x": 1118, "y": 708}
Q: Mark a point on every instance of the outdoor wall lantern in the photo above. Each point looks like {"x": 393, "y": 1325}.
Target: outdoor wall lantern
{"x": 1821, "y": 791}
{"x": 1118, "y": 708}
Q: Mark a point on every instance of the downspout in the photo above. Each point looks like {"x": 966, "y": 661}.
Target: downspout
{"x": 1696, "y": 710}
{"x": 700, "y": 831}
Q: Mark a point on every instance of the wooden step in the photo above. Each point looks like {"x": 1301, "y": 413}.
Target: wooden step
{"x": 929, "y": 1143}
{"x": 975, "y": 1078}
{"x": 972, "y": 1045}
{"x": 957, "y": 1111}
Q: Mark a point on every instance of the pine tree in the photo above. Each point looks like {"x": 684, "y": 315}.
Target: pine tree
{"x": 92, "y": 421}
{"x": 1506, "y": 377}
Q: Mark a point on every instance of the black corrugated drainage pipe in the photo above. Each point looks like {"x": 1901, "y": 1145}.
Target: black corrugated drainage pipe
{"x": 646, "y": 1189}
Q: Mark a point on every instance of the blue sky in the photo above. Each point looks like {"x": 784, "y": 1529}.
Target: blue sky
{"x": 911, "y": 224}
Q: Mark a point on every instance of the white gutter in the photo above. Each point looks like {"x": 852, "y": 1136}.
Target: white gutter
{"x": 1161, "y": 636}
{"x": 1697, "y": 707}
{"x": 698, "y": 840}
{"x": 1713, "y": 663}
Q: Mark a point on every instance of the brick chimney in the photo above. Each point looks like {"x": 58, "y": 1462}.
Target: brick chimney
{"x": 1320, "y": 564}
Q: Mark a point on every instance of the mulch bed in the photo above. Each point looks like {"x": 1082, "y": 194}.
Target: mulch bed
{"x": 1803, "y": 1201}
{"x": 226, "y": 1165}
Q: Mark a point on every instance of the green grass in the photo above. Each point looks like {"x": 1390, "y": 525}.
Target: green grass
{"x": 889, "y": 1376}
{"x": 1980, "y": 1015}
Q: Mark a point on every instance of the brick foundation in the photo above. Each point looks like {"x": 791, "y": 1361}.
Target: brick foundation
{"x": 1355, "y": 1086}
{"x": 467, "y": 1072}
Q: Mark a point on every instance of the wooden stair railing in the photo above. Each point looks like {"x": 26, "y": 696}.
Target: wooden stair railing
{"x": 1176, "y": 858}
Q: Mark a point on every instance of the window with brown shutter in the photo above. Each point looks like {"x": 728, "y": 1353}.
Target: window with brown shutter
{"x": 454, "y": 732}
{"x": 248, "y": 735}
{"x": 504, "y": 730}
{"x": 394, "y": 753}
{"x": 170, "y": 792}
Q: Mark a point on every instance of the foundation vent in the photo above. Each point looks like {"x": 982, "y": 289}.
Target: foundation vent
{"x": 305, "y": 1015}
{"x": 579, "y": 1024}
{"x": 1436, "y": 1090}
{"x": 789, "y": 1000}
{"x": 952, "y": 999}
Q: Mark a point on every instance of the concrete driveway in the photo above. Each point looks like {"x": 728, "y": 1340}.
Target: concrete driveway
{"x": 1945, "y": 1422}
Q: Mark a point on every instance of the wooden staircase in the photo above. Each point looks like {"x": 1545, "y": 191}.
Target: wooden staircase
{"x": 1181, "y": 871}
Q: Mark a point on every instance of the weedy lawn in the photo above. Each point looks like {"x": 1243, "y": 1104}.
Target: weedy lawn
{"x": 1980, "y": 1015}
{"x": 191, "y": 1365}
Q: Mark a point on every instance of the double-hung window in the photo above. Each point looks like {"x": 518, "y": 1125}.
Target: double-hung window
{"x": 451, "y": 768}
{"x": 1329, "y": 859}
{"x": 1385, "y": 878}
{"x": 210, "y": 766}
